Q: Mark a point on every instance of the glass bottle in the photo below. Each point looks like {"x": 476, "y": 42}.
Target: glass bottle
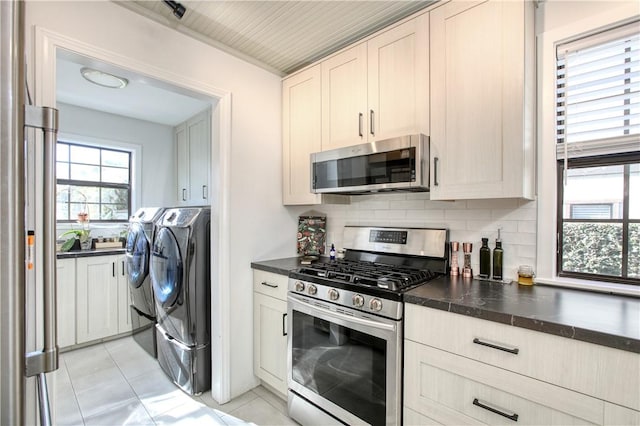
{"x": 497, "y": 259}
{"x": 485, "y": 259}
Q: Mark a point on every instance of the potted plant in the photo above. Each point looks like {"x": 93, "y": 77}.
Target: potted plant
{"x": 77, "y": 238}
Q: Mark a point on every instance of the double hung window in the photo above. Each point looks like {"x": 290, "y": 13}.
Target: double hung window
{"x": 598, "y": 153}
{"x": 92, "y": 183}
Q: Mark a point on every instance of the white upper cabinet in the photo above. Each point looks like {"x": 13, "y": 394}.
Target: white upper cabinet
{"x": 344, "y": 98}
{"x": 398, "y": 81}
{"x": 301, "y": 113}
{"x": 379, "y": 88}
{"x": 193, "y": 162}
{"x": 482, "y": 100}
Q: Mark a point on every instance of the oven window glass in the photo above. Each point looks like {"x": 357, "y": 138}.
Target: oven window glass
{"x": 342, "y": 365}
{"x": 380, "y": 168}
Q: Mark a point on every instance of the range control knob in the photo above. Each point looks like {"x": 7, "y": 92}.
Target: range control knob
{"x": 299, "y": 286}
{"x": 333, "y": 294}
{"x": 312, "y": 289}
{"x": 375, "y": 304}
{"x": 358, "y": 300}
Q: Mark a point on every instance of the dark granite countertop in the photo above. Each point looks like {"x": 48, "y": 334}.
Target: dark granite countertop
{"x": 88, "y": 253}
{"x": 277, "y": 266}
{"x": 603, "y": 319}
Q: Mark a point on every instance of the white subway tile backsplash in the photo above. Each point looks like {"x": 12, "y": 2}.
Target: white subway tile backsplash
{"x": 466, "y": 220}
{"x": 468, "y": 214}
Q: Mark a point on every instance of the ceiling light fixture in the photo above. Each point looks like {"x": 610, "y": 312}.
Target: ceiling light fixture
{"x": 104, "y": 79}
{"x": 178, "y": 9}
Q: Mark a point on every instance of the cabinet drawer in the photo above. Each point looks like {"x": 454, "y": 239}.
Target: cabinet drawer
{"x": 600, "y": 371}
{"x": 454, "y": 389}
{"x": 270, "y": 284}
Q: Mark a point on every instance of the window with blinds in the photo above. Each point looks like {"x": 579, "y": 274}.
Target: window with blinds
{"x": 598, "y": 153}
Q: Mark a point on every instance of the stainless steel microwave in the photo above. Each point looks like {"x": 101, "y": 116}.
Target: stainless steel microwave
{"x": 397, "y": 164}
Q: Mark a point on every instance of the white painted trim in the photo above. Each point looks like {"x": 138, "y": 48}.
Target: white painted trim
{"x": 134, "y": 149}
{"x": 600, "y": 287}
{"x": 546, "y": 232}
{"x": 44, "y": 92}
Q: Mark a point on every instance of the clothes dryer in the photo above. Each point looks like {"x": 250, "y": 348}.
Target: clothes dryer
{"x": 140, "y": 235}
{"x": 181, "y": 279}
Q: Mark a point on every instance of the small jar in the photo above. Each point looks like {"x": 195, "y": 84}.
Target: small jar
{"x": 525, "y": 275}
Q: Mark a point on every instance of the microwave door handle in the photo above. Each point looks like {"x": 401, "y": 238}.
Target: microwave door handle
{"x": 348, "y": 318}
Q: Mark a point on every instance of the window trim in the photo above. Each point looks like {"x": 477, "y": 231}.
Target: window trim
{"x": 546, "y": 150}
{"x": 135, "y": 168}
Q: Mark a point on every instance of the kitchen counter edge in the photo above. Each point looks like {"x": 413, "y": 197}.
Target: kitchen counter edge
{"x": 560, "y": 311}
{"x": 88, "y": 253}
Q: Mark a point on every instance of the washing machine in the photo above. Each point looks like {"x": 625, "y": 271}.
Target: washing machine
{"x": 140, "y": 235}
{"x": 181, "y": 281}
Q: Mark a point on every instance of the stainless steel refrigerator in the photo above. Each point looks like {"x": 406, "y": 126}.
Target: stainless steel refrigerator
{"x": 27, "y": 245}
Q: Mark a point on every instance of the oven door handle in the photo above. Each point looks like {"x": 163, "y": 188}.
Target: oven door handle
{"x": 347, "y": 318}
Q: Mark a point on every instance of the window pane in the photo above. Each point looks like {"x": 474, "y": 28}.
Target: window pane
{"x": 62, "y": 193}
{"x": 62, "y": 211}
{"x": 115, "y": 175}
{"x": 592, "y": 248}
{"x": 634, "y": 250}
{"x": 591, "y": 190}
{"x": 84, "y": 154}
{"x": 114, "y": 212}
{"x": 115, "y": 158}
{"x": 634, "y": 191}
{"x": 90, "y": 173}
{"x": 62, "y": 170}
{"x": 62, "y": 152}
{"x": 115, "y": 196}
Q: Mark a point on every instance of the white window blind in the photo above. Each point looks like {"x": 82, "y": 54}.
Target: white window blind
{"x": 598, "y": 93}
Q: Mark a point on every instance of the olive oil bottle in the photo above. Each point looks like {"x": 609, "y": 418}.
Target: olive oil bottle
{"x": 497, "y": 259}
{"x": 485, "y": 259}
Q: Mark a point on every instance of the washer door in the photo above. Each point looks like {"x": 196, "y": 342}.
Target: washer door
{"x": 137, "y": 255}
{"x": 166, "y": 268}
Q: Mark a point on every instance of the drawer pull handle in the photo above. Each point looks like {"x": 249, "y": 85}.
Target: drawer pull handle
{"x": 486, "y": 406}
{"x": 501, "y": 348}
{"x": 284, "y": 322}
{"x": 269, "y": 285}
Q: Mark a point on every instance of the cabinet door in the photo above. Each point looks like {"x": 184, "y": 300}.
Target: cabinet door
{"x": 66, "y": 302}
{"x": 479, "y": 144}
{"x": 96, "y": 297}
{"x": 270, "y": 341}
{"x": 344, "y": 98}
{"x": 398, "y": 80}
{"x": 182, "y": 163}
{"x": 301, "y": 135}
{"x": 124, "y": 296}
{"x": 199, "y": 143}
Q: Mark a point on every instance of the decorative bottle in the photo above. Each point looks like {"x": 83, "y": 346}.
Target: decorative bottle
{"x": 485, "y": 259}
{"x": 497, "y": 259}
{"x": 332, "y": 253}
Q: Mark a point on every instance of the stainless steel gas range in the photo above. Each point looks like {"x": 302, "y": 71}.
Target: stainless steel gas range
{"x": 345, "y": 325}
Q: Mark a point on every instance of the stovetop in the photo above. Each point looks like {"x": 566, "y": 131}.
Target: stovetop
{"x": 369, "y": 274}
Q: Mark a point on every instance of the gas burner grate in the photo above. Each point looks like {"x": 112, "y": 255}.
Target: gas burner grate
{"x": 369, "y": 274}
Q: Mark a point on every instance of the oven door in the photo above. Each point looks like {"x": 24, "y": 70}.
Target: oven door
{"x": 344, "y": 361}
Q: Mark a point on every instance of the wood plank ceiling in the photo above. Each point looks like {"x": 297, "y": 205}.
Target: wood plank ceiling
{"x": 280, "y": 36}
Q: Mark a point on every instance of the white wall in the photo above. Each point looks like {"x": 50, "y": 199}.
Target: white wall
{"x": 155, "y": 141}
{"x": 257, "y": 219}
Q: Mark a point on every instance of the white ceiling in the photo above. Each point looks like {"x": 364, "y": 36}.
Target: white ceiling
{"x": 280, "y": 36}
{"x": 143, "y": 98}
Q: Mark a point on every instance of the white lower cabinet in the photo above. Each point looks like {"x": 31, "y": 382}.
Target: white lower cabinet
{"x": 270, "y": 329}
{"x": 464, "y": 370}
{"x": 66, "y": 302}
{"x": 102, "y": 298}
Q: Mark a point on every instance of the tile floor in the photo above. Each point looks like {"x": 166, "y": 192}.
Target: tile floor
{"x": 118, "y": 383}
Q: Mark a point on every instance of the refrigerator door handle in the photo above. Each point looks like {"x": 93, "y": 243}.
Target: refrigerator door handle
{"x": 46, "y": 119}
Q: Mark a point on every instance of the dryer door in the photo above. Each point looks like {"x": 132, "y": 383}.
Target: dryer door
{"x": 137, "y": 255}
{"x": 166, "y": 268}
